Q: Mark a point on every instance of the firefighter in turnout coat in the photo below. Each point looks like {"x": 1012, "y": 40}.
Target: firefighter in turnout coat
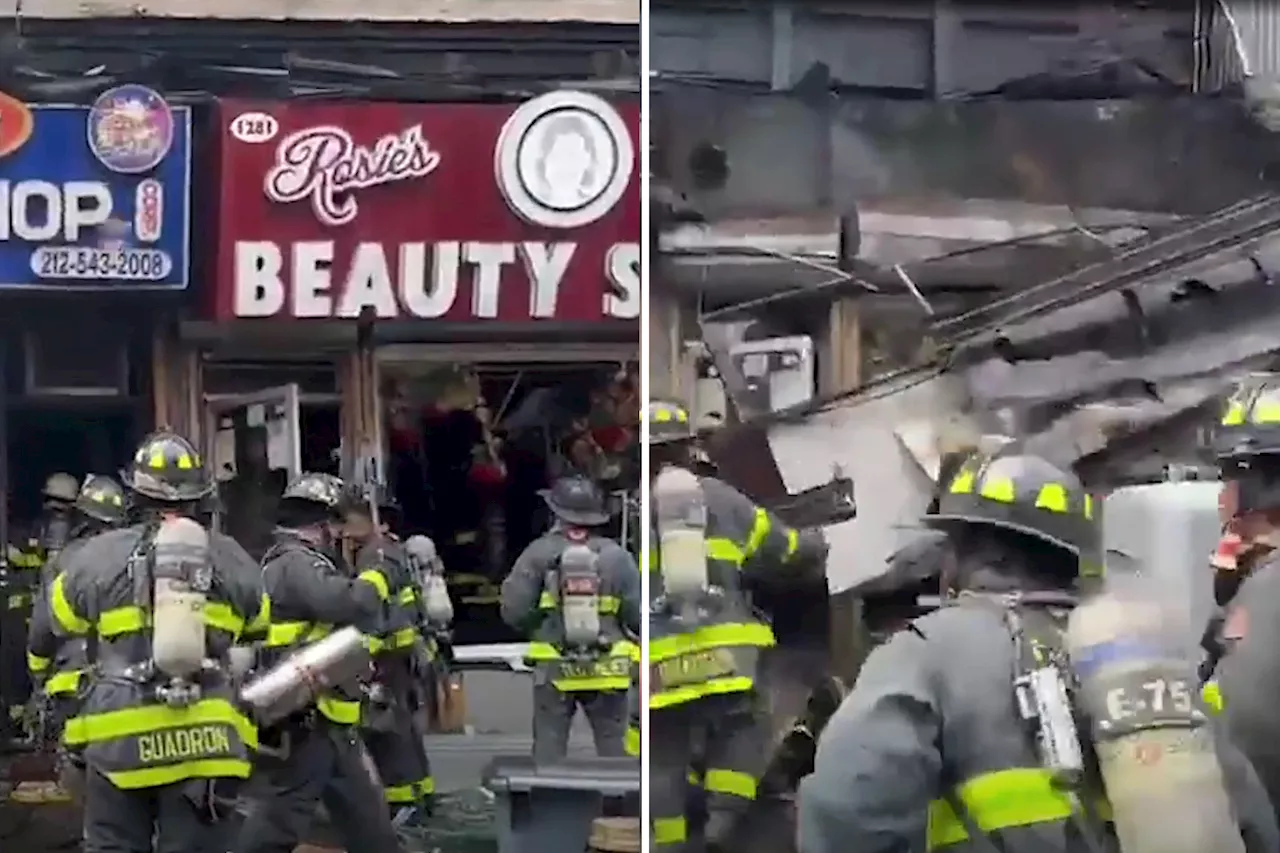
{"x": 703, "y": 693}
{"x": 930, "y": 745}
{"x": 316, "y": 756}
{"x": 577, "y": 596}
{"x": 401, "y": 656}
{"x": 154, "y": 742}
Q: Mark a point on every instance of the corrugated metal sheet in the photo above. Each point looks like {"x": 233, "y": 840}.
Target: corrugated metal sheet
{"x": 433, "y": 11}
{"x": 1243, "y": 38}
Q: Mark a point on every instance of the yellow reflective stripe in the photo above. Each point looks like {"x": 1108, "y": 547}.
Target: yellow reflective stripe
{"x": 693, "y": 692}
{"x": 731, "y": 783}
{"x": 999, "y": 489}
{"x": 1052, "y": 497}
{"x": 344, "y": 712}
{"x": 128, "y": 722}
{"x": 694, "y": 778}
{"x": 1211, "y": 693}
{"x": 597, "y": 683}
{"x": 719, "y": 548}
{"x": 1003, "y": 799}
{"x": 711, "y": 637}
{"x": 37, "y": 664}
{"x": 411, "y": 792}
{"x": 1234, "y": 415}
{"x": 61, "y": 683}
{"x": 131, "y": 618}
{"x": 398, "y": 640}
{"x": 291, "y": 633}
{"x": 670, "y": 830}
{"x": 154, "y": 777}
{"x": 608, "y": 603}
{"x": 408, "y": 595}
{"x": 631, "y": 741}
{"x": 793, "y": 544}
{"x": 543, "y": 652}
{"x": 379, "y": 582}
{"x": 759, "y": 531}
{"x": 63, "y": 613}
{"x": 261, "y": 623}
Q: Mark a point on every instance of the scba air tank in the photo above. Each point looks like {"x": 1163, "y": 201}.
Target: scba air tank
{"x": 579, "y": 579}
{"x": 680, "y": 509}
{"x": 1155, "y": 750}
{"x": 181, "y": 579}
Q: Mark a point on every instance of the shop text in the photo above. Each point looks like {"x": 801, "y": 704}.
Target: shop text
{"x": 41, "y": 211}
{"x": 425, "y": 280}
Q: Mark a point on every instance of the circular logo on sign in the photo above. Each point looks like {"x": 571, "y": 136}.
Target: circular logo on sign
{"x": 564, "y": 159}
{"x": 130, "y": 129}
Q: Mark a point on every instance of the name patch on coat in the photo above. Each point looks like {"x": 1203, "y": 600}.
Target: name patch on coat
{"x": 696, "y": 668}
{"x": 171, "y": 745}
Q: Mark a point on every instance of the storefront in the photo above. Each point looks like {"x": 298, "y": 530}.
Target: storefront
{"x": 95, "y": 222}
{"x": 445, "y": 294}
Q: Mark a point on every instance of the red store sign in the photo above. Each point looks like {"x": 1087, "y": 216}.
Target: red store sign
{"x": 463, "y": 212}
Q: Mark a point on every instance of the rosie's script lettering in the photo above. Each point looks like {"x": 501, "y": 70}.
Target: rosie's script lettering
{"x": 324, "y": 164}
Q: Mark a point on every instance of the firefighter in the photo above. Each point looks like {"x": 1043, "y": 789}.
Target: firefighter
{"x": 402, "y": 660}
{"x": 1241, "y": 643}
{"x": 935, "y": 742}
{"x": 157, "y": 722}
{"x": 576, "y": 595}
{"x": 100, "y": 506}
{"x": 315, "y": 756}
{"x": 52, "y": 528}
{"x": 705, "y": 639}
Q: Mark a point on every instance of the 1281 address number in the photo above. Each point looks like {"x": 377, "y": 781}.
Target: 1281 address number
{"x": 77, "y": 262}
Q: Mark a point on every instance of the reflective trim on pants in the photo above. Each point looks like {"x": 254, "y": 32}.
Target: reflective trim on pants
{"x": 631, "y": 741}
{"x": 1003, "y": 799}
{"x": 670, "y": 830}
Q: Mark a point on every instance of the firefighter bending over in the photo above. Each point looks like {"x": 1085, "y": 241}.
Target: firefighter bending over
{"x": 402, "y": 661}
{"x": 963, "y": 722}
{"x": 313, "y": 754}
{"x": 705, "y": 639}
{"x": 577, "y": 596}
{"x": 158, "y": 722}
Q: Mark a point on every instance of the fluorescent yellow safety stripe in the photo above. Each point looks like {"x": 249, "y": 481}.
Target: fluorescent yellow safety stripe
{"x": 759, "y": 532}
{"x": 1052, "y": 497}
{"x": 379, "y": 582}
{"x": 711, "y": 637}
{"x": 63, "y": 613}
{"x": 730, "y": 783}
{"x": 344, "y": 712}
{"x": 126, "y": 620}
{"x": 1021, "y": 796}
{"x": 128, "y": 722}
{"x": 631, "y": 741}
{"x": 261, "y": 623}
{"x": 401, "y": 639}
{"x": 154, "y": 777}
{"x": 408, "y": 595}
{"x": 542, "y": 652}
{"x": 693, "y": 692}
{"x": 608, "y": 603}
{"x": 694, "y": 778}
{"x": 670, "y": 830}
{"x": 410, "y": 793}
{"x": 1211, "y": 693}
{"x": 63, "y": 683}
{"x": 291, "y": 633}
{"x": 37, "y": 664}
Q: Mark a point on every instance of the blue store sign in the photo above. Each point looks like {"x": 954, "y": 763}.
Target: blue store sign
{"x": 95, "y": 198}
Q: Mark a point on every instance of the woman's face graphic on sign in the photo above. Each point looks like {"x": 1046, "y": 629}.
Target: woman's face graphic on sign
{"x": 569, "y": 161}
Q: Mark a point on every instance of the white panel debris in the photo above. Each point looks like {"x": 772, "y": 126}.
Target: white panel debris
{"x": 890, "y": 484}
{"x": 375, "y": 11}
